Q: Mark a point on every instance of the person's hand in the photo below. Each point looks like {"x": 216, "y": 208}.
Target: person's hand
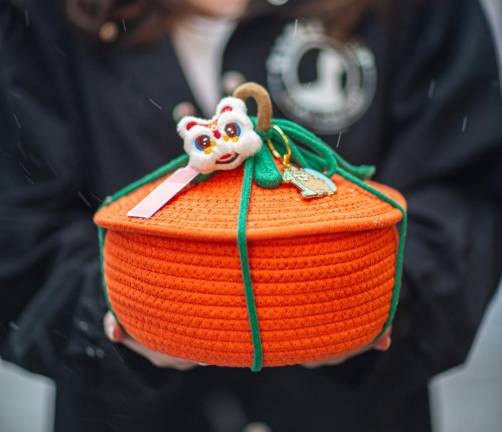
{"x": 382, "y": 344}
{"x": 115, "y": 333}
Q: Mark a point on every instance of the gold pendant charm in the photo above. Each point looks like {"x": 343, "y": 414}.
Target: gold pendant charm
{"x": 311, "y": 183}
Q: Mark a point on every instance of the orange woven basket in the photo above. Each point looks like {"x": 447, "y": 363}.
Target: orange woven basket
{"x": 322, "y": 280}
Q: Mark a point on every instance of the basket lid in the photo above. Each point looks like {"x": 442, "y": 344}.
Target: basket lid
{"x": 209, "y": 210}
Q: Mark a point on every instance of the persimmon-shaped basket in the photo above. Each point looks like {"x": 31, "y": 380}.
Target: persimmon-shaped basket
{"x": 240, "y": 270}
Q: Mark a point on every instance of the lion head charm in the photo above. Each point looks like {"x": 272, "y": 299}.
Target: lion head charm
{"x": 224, "y": 141}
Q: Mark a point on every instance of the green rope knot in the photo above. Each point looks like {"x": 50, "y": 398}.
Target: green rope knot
{"x": 307, "y": 151}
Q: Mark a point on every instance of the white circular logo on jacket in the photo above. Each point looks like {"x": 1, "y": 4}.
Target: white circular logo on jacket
{"x": 344, "y": 83}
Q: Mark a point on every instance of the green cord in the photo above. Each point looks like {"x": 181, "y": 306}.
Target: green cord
{"x": 300, "y": 134}
{"x": 332, "y": 160}
{"x": 247, "y": 181}
{"x": 317, "y": 155}
{"x": 400, "y": 249}
{"x": 101, "y": 242}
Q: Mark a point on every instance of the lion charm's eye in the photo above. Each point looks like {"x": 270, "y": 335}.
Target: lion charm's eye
{"x": 232, "y": 130}
{"x": 202, "y": 142}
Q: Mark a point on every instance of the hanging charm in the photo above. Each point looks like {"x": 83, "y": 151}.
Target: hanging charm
{"x": 311, "y": 183}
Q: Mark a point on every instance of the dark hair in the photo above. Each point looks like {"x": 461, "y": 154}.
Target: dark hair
{"x": 144, "y": 21}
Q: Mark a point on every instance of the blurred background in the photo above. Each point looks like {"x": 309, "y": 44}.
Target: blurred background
{"x": 464, "y": 399}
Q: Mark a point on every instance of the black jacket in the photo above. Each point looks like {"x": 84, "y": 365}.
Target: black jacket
{"x": 77, "y": 121}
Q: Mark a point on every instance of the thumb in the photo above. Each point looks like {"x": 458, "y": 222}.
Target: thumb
{"x": 112, "y": 329}
{"x": 383, "y": 344}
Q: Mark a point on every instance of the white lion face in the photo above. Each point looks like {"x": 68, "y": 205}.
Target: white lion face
{"x": 224, "y": 141}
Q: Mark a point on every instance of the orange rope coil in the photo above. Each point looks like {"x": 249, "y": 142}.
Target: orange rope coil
{"x": 323, "y": 271}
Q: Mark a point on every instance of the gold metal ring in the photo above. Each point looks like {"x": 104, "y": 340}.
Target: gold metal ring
{"x": 286, "y": 158}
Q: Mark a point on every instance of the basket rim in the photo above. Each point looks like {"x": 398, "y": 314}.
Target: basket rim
{"x": 106, "y": 217}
